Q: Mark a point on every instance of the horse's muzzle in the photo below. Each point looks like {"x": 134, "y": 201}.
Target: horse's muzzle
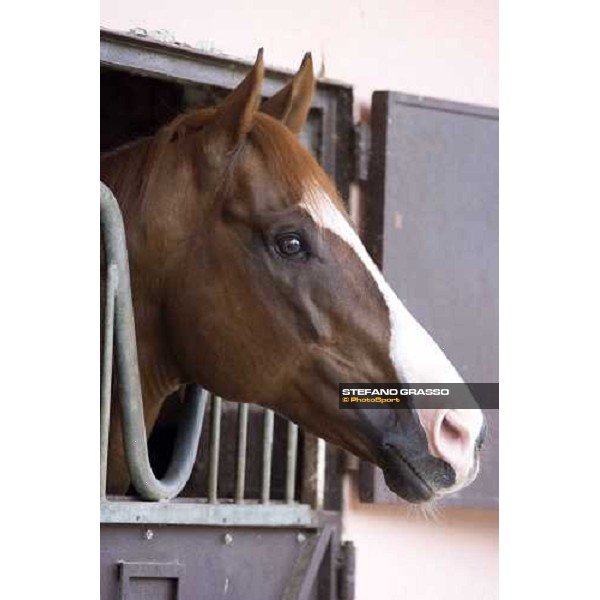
{"x": 403, "y": 480}
{"x": 415, "y": 476}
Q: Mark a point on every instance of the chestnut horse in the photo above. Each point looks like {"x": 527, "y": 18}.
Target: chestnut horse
{"x": 249, "y": 279}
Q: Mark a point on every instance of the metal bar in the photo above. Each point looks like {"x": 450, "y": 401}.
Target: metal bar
{"x": 242, "y": 443}
{"x": 130, "y": 390}
{"x": 267, "y": 457}
{"x": 292, "y": 455}
{"x": 215, "y": 447}
{"x": 347, "y": 589}
{"x": 321, "y": 457}
{"x": 313, "y": 478}
{"x": 148, "y": 56}
{"x": 112, "y": 282}
{"x": 192, "y": 512}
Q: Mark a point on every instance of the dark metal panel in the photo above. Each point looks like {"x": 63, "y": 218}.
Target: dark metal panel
{"x": 431, "y": 220}
{"x": 248, "y": 563}
{"x": 440, "y": 241}
{"x": 237, "y": 564}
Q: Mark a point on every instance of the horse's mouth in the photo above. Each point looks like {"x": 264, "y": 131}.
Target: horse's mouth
{"x": 404, "y": 479}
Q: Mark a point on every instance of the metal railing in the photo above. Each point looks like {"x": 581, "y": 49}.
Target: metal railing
{"x": 119, "y": 336}
{"x": 119, "y": 332}
{"x": 268, "y": 427}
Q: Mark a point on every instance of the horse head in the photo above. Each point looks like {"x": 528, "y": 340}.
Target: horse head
{"x": 250, "y": 279}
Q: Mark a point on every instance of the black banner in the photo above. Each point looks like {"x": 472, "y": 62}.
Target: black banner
{"x": 422, "y": 395}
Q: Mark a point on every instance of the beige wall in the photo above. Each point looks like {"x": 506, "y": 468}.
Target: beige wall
{"x": 442, "y": 48}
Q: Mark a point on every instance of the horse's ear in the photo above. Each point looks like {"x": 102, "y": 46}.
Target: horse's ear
{"x": 291, "y": 104}
{"x": 236, "y": 113}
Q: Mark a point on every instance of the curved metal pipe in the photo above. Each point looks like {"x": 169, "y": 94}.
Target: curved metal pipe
{"x": 130, "y": 389}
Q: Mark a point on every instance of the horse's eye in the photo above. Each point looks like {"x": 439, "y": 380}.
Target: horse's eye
{"x": 290, "y": 245}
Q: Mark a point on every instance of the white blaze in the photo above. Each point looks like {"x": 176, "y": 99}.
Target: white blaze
{"x": 414, "y": 354}
{"x": 451, "y": 434}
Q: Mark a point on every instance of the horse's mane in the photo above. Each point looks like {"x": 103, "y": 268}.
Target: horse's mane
{"x": 130, "y": 169}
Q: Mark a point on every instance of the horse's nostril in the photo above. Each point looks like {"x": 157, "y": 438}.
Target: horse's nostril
{"x": 453, "y": 438}
{"x": 451, "y": 431}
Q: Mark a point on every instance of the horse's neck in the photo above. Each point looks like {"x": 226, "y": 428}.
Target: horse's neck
{"x": 158, "y": 373}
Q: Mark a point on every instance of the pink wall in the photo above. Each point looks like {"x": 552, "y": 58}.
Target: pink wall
{"x": 428, "y": 47}
{"x": 402, "y": 555}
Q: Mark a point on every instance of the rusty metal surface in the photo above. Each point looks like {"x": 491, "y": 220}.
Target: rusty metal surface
{"x": 430, "y": 220}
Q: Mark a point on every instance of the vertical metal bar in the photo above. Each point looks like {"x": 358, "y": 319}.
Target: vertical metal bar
{"x": 313, "y": 477}
{"x": 348, "y": 572}
{"x": 267, "y": 455}
{"x": 292, "y": 454}
{"x": 242, "y": 442}
{"x": 215, "y": 446}
{"x": 112, "y": 281}
{"x": 320, "y": 495}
